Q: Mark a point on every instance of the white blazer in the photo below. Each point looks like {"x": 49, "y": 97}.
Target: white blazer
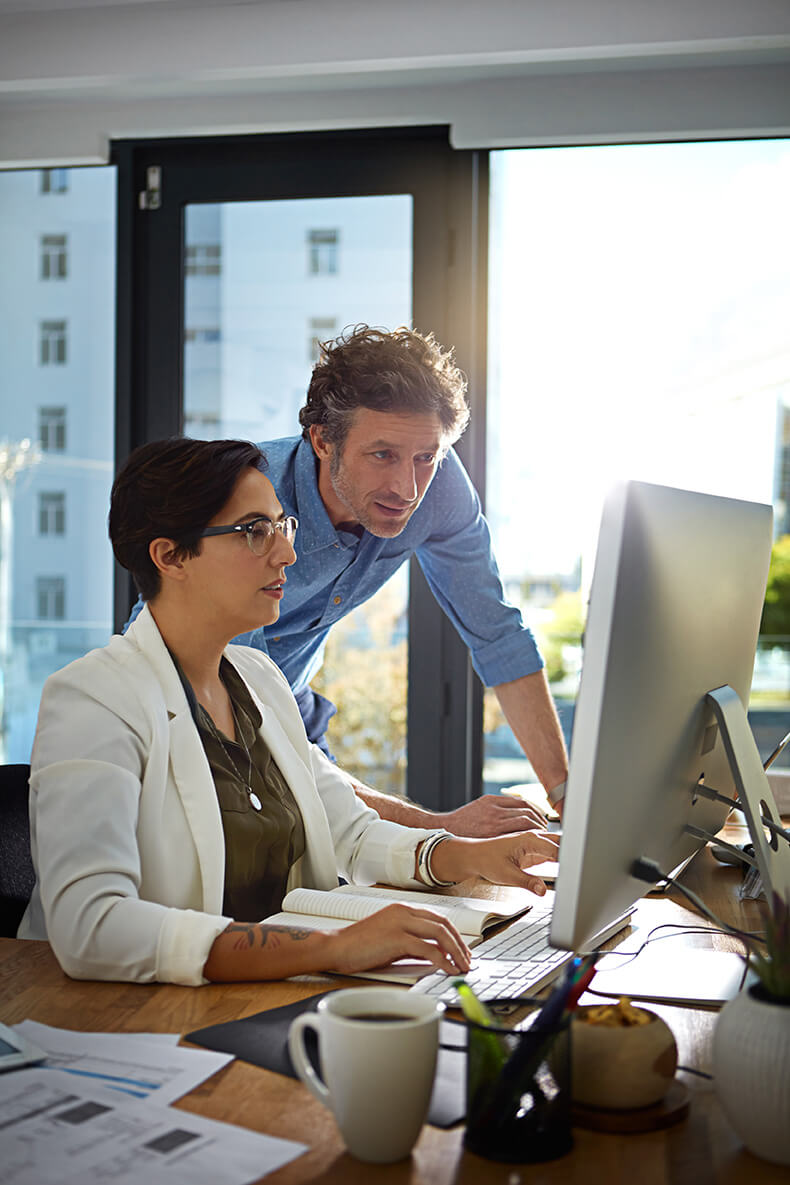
{"x": 126, "y": 832}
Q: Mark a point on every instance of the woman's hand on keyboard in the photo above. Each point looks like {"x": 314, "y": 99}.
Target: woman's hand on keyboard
{"x": 502, "y": 861}
{"x": 398, "y": 932}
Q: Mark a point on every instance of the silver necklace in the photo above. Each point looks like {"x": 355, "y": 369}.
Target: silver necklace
{"x": 253, "y": 797}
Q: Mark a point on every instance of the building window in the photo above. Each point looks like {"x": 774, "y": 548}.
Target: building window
{"x": 54, "y": 180}
{"x": 319, "y": 330}
{"x": 51, "y": 598}
{"x": 203, "y": 259}
{"x": 54, "y": 260}
{"x": 52, "y": 514}
{"x": 53, "y": 343}
{"x": 202, "y": 335}
{"x": 206, "y": 425}
{"x": 52, "y": 429}
{"x": 322, "y": 248}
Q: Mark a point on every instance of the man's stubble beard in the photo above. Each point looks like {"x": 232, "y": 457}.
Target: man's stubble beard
{"x": 383, "y": 529}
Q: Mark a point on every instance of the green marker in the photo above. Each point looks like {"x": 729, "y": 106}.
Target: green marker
{"x": 473, "y": 1008}
{"x": 492, "y": 1046}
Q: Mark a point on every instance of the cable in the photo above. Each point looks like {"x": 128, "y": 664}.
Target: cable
{"x": 774, "y": 828}
{"x": 714, "y": 796}
{"x": 770, "y": 760}
{"x": 653, "y": 936}
{"x": 647, "y": 870}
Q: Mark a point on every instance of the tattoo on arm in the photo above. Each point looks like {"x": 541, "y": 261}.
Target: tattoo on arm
{"x": 246, "y": 934}
{"x": 255, "y": 933}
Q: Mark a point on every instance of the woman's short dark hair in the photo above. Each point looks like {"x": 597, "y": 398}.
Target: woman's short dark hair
{"x": 397, "y": 371}
{"x": 172, "y": 489}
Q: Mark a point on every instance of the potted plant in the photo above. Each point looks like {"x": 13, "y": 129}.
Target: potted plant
{"x": 751, "y": 1046}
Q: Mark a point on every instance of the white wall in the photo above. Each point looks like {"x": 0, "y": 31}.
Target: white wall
{"x": 76, "y": 74}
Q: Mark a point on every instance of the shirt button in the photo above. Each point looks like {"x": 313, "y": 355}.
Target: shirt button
{"x": 338, "y": 600}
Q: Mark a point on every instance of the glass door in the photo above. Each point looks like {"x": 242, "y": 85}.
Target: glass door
{"x": 237, "y": 257}
{"x": 265, "y": 282}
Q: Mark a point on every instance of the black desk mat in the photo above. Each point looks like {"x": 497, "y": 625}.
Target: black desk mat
{"x": 263, "y": 1040}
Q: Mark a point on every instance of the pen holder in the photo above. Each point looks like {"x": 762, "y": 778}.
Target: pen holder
{"x": 518, "y": 1090}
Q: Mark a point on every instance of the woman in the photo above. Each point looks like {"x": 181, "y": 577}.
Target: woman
{"x": 175, "y": 797}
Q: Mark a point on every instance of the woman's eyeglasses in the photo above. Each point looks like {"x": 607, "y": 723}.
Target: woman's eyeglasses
{"x": 260, "y": 532}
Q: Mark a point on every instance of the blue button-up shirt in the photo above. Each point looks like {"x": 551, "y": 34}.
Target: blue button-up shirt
{"x": 335, "y": 571}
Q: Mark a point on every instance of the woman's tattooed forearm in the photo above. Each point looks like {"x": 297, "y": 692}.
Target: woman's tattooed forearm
{"x": 251, "y": 934}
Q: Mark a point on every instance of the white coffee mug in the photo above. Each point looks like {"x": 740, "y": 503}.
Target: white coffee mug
{"x": 377, "y": 1049}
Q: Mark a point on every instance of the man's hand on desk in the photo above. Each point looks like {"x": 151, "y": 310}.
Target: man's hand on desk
{"x": 493, "y": 815}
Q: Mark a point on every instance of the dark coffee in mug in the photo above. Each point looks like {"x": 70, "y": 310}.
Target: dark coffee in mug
{"x": 380, "y": 1017}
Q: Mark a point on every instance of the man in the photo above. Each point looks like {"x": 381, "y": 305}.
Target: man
{"x": 374, "y": 479}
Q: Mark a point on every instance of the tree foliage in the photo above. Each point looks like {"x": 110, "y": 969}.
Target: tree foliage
{"x": 776, "y": 611}
{"x": 565, "y": 628}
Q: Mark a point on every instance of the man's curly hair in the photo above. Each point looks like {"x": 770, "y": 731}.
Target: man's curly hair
{"x": 398, "y": 371}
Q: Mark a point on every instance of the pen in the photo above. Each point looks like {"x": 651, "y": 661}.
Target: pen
{"x": 578, "y": 988}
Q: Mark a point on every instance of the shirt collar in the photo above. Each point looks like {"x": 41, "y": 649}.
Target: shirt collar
{"x": 315, "y": 526}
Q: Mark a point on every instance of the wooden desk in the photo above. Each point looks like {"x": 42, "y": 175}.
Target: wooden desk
{"x": 699, "y": 1150}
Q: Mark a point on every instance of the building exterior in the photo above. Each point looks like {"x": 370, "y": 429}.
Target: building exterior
{"x": 57, "y": 326}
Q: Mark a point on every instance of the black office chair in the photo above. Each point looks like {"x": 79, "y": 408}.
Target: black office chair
{"x": 16, "y": 866}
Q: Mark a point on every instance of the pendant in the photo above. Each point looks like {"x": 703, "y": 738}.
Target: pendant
{"x": 254, "y": 799}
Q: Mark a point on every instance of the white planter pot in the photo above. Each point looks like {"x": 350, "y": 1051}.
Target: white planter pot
{"x": 751, "y": 1069}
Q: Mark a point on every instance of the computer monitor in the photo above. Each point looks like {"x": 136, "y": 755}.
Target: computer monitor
{"x": 674, "y": 613}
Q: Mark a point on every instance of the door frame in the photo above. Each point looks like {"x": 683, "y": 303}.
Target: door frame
{"x": 450, "y": 194}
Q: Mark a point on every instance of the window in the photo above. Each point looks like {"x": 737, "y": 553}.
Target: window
{"x": 322, "y": 252}
{"x": 203, "y": 259}
{"x": 270, "y": 322}
{"x": 53, "y": 343}
{"x": 51, "y": 598}
{"x": 68, "y": 415}
{"x": 54, "y": 180}
{"x": 203, "y": 425}
{"x": 320, "y": 329}
{"x": 52, "y": 429}
{"x": 52, "y": 513}
{"x": 54, "y": 258}
{"x": 202, "y": 335}
{"x": 657, "y": 355}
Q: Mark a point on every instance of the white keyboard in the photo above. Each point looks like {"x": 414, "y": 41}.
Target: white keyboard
{"x": 517, "y": 961}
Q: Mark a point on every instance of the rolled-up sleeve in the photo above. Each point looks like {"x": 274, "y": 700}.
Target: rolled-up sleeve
{"x": 459, "y": 565}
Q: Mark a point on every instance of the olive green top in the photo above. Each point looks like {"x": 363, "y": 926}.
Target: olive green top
{"x": 261, "y": 845}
